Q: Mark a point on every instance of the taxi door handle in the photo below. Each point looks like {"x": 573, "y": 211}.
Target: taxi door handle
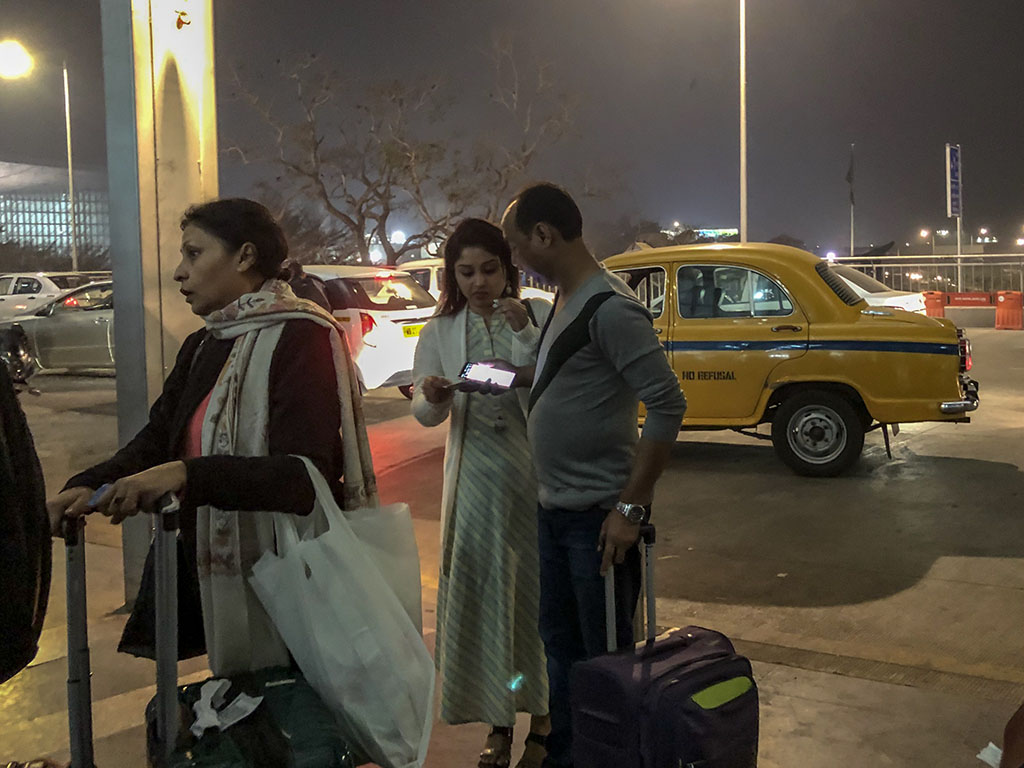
{"x": 658, "y": 331}
{"x": 777, "y": 328}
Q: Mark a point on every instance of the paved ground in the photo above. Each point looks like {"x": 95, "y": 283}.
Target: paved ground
{"x": 882, "y": 610}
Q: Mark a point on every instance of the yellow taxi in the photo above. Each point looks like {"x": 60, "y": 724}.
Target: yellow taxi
{"x": 761, "y": 333}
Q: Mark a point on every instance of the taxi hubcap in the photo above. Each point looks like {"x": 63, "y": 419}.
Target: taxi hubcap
{"x": 817, "y": 434}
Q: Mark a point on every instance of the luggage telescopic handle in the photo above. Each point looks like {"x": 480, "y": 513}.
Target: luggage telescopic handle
{"x": 165, "y": 550}
{"x": 79, "y": 683}
{"x": 648, "y": 535}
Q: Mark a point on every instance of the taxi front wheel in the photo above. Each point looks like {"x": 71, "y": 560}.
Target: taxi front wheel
{"x": 817, "y": 433}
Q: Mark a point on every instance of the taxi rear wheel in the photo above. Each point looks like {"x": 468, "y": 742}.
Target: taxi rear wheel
{"x": 817, "y": 433}
{"x": 406, "y": 389}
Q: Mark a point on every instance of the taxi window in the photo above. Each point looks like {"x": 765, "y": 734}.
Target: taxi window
{"x": 729, "y": 292}
{"x": 833, "y": 281}
{"x": 5, "y": 285}
{"x": 648, "y": 283}
{"x": 388, "y": 292}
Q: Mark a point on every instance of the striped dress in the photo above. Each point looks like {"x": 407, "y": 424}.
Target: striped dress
{"x": 489, "y": 651}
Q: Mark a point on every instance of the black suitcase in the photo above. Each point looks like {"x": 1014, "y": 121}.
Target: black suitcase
{"x": 291, "y": 727}
{"x": 683, "y": 699}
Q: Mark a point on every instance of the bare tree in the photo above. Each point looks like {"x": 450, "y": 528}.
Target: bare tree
{"x": 366, "y": 156}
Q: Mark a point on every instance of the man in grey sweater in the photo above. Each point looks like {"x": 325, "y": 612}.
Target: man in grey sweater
{"x": 598, "y": 356}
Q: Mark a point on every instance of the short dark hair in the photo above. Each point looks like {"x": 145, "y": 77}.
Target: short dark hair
{"x": 237, "y": 221}
{"x": 474, "y": 233}
{"x": 548, "y": 204}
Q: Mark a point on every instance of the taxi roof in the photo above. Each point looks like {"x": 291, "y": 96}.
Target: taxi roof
{"x": 761, "y": 253}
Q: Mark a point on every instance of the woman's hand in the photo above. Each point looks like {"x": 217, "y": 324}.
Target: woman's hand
{"x": 514, "y": 311}
{"x": 74, "y": 502}
{"x": 137, "y": 493}
{"x": 436, "y": 389}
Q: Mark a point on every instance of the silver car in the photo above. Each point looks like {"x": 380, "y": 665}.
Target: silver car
{"x": 22, "y": 293}
{"x": 76, "y": 330}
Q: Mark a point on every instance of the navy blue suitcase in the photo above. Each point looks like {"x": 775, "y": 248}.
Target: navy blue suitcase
{"x": 684, "y": 699}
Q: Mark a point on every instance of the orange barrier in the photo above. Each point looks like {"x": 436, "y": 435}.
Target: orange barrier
{"x": 1010, "y": 310}
{"x": 934, "y": 303}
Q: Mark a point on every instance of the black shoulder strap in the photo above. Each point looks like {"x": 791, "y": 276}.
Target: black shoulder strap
{"x": 570, "y": 341}
{"x": 529, "y": 311}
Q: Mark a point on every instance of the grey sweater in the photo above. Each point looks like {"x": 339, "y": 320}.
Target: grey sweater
{"x": 583, "y": 427}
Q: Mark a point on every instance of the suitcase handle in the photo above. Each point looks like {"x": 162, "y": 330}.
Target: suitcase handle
{"x": 649, "y": 536}
{"x": 166, "y": 519}
{"x": 79, "y": 673}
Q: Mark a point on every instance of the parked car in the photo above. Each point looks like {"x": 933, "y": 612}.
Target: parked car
{"x": 877, "y": 293}
{"x": 767, "y": 334}
{"x": 74, "y": 331}
{"x": 382, "y": 311}
{"x": 430, "y": 274}
{"x": 24, "y": 292}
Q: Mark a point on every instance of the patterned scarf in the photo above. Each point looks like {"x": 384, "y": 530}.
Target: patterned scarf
{"x": 239, "y": 634}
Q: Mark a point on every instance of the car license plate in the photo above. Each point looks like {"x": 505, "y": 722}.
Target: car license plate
{"x": 412, "y": 330}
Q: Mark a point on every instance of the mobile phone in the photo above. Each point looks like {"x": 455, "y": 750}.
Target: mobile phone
{"x": 95, "y": 498}
{"x": 485, "y": 372}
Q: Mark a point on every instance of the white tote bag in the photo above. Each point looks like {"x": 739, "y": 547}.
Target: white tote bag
{"x": 350, "y": 634}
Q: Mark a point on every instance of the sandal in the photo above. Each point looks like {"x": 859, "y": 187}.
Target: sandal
{"x": 498, "y": 752}
{"x": 533, "y": 758}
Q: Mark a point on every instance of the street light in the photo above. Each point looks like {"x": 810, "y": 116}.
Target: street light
{"x": 16, "y": 62}
{"x": 924, "y": 236}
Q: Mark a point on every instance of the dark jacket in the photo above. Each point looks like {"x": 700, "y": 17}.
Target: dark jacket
{"x": 305, "y": 419}
{"x": 24, "y": 537}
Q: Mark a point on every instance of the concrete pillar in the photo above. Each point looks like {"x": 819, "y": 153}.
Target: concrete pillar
{"x": 161, "y": 158}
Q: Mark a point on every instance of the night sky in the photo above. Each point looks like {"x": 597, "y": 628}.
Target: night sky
{"x": 656, "y": 83}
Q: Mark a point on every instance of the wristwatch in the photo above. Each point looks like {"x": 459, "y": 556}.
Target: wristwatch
{"x": 635, "y": 513}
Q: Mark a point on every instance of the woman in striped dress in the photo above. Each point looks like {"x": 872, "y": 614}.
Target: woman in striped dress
{"x": 488, "y": 651}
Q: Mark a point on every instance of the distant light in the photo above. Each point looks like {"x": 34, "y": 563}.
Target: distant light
{"x": 916, "y": 276}
{"x": 908, "y": 245}
{"x": 398, "y": 236}
{"x": 675, "y": 224}
{"x": 15, "y": 61}
{"x": 831, "y": 255}
{"x": 983, "y": 231}
{"x": 925, "y": 233}
{"x": 1020, "y": 241}
{"x": 942, "y": 232}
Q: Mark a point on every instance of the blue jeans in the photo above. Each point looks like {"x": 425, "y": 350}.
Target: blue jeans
{"x": 572, "y": 615}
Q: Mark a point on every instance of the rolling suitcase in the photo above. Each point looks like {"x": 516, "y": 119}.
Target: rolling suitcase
{"x": 290, "y": 727}
{"x": 683, "y": 699}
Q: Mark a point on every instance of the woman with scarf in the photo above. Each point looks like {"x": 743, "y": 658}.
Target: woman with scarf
{"x": 488, "y": 650}
{"x": 269, "y": 378}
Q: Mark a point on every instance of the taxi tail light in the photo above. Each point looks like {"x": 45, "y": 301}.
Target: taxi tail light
{"x": 366, "y": 323}
{"x": 70, "y": 301}
{"x": 966, "y": 358}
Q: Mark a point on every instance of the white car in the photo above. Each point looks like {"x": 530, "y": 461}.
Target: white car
{"x": 22, "y": 293}
{"x": 382, "y": 311}
{"x": 430, "y": 274}
{"x": 878, "y": 294}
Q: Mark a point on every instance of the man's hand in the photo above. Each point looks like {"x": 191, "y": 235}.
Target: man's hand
{"x": 514, "y": 311}
{"x": 617, "y": 536}
{"x": 137, "y": 493}
{"x": 437, "y": 390}
{"x": 70, "y": 503}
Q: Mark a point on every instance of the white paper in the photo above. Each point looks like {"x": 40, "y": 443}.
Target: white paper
{"x": 991, "y": 755}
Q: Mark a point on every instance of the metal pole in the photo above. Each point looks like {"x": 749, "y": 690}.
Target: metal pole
{"x": 959, "y": 262}
{"x": 851, "y": 230}
{"x": 743, "y": 121}
{"x": 71, "y": 172}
